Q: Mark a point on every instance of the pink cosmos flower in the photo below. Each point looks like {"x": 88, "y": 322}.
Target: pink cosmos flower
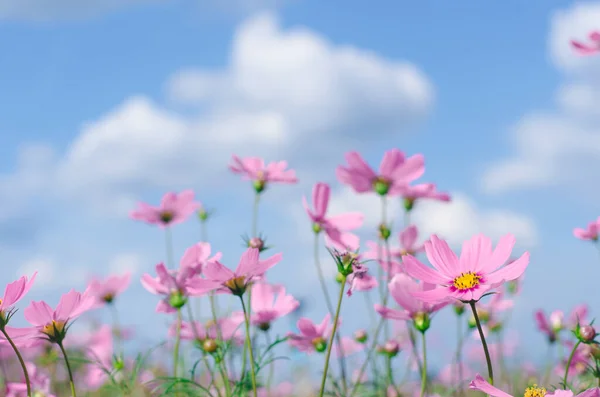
{"x": 395, "y": 173}
{"x": 589, "y": 233}
{"x": 312, "y": 337}
{"x": 228, "y": 327}
{"x": 100, "y": 353}
{"x": 479, "y": 269}
{"x": 39, "y": 381}
{"x": 173, "y": 209}
{"x": 402, "y": 288}
{"x": 270, "y": 302}
{"x": 53, "y": 324}
{"x": 254, "y": 169}
{"x": 106, "y": 290}
{"x": 581, "y": 359}
{"x": 173, "y": 285}
{"x": 223, "y": 280}
{"x": 554, "y": 324}
{"x": 361, "y": 280}
{"x": 482, "y": 385}
{"x": 197, "y": 256}
{"x": 588, "y": 49}
{"x": 336, "y": 227}
{"x": 13, "y": 294}
{"x": 421, "y": 191}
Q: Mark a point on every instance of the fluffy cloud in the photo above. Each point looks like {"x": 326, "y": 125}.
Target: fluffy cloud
{"x": 560, "y": 147}
{"x": 455, "y": 221}
{"x": 285, "y": 94}
{"x": 50, "y": 275}
{"x": 125, "y": 262}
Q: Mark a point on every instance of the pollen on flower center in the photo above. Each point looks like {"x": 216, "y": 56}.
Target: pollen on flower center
{"x": 51, "y": 329}
{"x": 466, "y": 281}
{"x": 535, "y": 391}
{"x": 166, "y": 216}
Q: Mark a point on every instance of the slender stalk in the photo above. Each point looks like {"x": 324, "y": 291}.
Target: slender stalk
{"x": 203, "y": 231}
{"x": 549, "y": 361}
{"x": 271, "y": 366}
{"x": 222, "y": 363}
{"x": 249, "y": 345}
{"x": 72, "y": 383}
{"x": 415, "y": 351}
{"x": 484, "y": 343}
{"x": 21, "y": 361}
{"x": 424, "y": 372}
{"x": 569, "y": 363}
{"x": 338, "y": 341}
{"x": 117, "y": 328}
{"x": 177, "y": 343}
{"x": 169, "y": 247}
{"x": 459, "y": 347}
{"x": 330, "y": 343}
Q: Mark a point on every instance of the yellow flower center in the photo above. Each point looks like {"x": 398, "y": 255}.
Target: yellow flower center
{"x": 166, "y": 216}
{"x": 52, "y": 328}
{"x": 466, "y": 281}
{"x": 237, "y": 285}
{"x": 534, "y": 391}
{"x": 404, "y": 252}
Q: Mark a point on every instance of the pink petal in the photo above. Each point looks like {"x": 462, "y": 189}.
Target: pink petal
{"x": 500, "y": 255}
{"x": 511, "y": 271}
{"x": 482, "y": 385}
{"x": 434, "y": 295}
{"x": 442, "y": 257}
{"x": 474, "y": 253}
{"x": 348, "y": 221}
{"x": 419, "y": 271}
{"x": 391, "y": 313}
{"x": 321, "y": 193}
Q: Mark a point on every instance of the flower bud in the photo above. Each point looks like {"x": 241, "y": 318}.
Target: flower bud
{"x": 422, "y": 322}
{"x": 256, "y": 242}
{"x": 320, "y": 344}
{"x": 360, "y": 336}
{"x": 459, "y": 308}
{"x": 209, "y": 345}
{"x": 177, "y": 300}
{"x": 384, "y": 232}
{"x": 202, "y": 215}
{"x": 557, "y": 321}
{"x": 586, "y": 333}
{"x": 409, "y": 203}
{"x": 390, "y": 348}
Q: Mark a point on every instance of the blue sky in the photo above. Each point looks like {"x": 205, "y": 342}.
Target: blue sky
{"x": 102, "y": 107}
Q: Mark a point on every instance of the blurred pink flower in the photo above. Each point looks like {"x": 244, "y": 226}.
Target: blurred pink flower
{"x": 173, "y": 285}
{"x": 411, "y": 194}
{"x": 589, "y": 233}
{"x": 479, "y": 269}
{"x": 228, "y": 327}
{"x": 349, "y": 347}
{"x": 392, "y": 261}
{"x": 270, "y": 302}
{"x": 254, "y": 169}
{"x": 450, "y": 375}
{"x": 552, "y": 326}
{"x": 588, "y": 49}
{"x": 249, "y": 269}
{"x": 395, "y": 173}
{"x": 336, "y": 227}
{"x": 173, "y": 209}
{"x": 13, "y": 293}
{"x": 402, "y": 288}
{"x": 105, "y": 291}
{"x": 312, "y": 337}
{"x": 39, "y": 381}
{"x": 99, "y": 351}
{"x": 197, "y": 256}
{"x": 482, "y": 385}
{"x": 53, "y": 324}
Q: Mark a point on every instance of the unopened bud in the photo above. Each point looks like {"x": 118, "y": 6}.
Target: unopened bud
{"x": 361, "y": 336}
{"x": 587, "y": 333}
{"x": 202, "y": 215}
{"x": 390, "y": 348}
{"x": 384, "y": 232}
{"x": 209, "y": 346}
{"x": 256, "y": 242}
{"x": 409, "y": 204}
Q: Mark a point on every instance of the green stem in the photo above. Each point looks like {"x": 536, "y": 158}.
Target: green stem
{"x": 341, "y": 359}
{"x": 72, "y": 383}
{"x": 271, "y": 365}
{"x": 169, "y": 247}
{"x": 177, "y": 342}
{"x": 203, "y": 231}
{"x": 255, "y": 215}
{"x": 222, "y": 363}
{"x": 569, "y": 363}
{"x": 330, "y": 343}
{"x": 21, "y": 361}
{"x": 549, "y": 362}
{"x": 249, "y": 345}
{"x": 459, "y": 347}
{"x": 117, "y": 329}
{"x": 424, "y": 372}
{"x": 484, "y": 343}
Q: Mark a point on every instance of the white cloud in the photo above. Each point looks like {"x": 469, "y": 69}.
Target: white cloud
{"x": 287, "y": 94}
{"x": 561, "y": 147}
{"x": 125, "y": 262}
{"x": 50, "y": 275}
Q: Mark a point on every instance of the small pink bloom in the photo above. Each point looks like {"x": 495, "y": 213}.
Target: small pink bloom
{"x": 173, "y": 209}
{"x": 39, "y": 382}
{"x": 349, "y": 347}
{"x": 197, "y": 256}
{"x": 105, "y": 291}
{"x": 422, "y": 191}
{"x": 588, "y": 49}
{"x": 395, "y": 173}
{"x": 53, "y": 324}
{"x": 589, "y": 233}
{"x": 270, "y": 302}
{"x": 478, "y": 270}
{"x": 312, "y": 337}
{"x": 392, "y": 260}
{"x": 402, "y": 288}
{"x": 228, "y": 328}
{"x": 336, "y": 227}
{"x": 220, "y": 278}
{"x": 99, "y": 352}
{"x": 254, "y": 169}
{"x": 13, "y": 293}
